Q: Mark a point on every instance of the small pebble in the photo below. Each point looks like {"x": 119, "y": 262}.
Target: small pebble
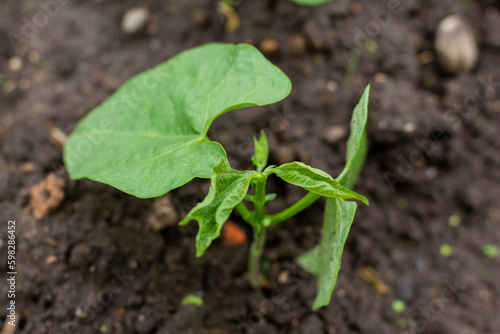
{"x": 164, "y": 214}
{"x": 15, "y": 64}
{"x": 135, "y": 20}
{"x": 381, "y": 77}
{"x": 332, "y": 86}
{"x": 333, "y": 134}
{"x": 297, "y": 44}
{"x": 284, "y": 277}
{"x": 269, "y": 45}
{"x": 426, "y": 57}
{"x": 28, "y": 166}
{"x": 431, "y": 172}
{"x": 455, "y": 44}
{"x": 409, "y": 127}
{"x": 51, "y": 259}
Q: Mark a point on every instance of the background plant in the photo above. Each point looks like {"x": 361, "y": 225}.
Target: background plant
{"x": 150, "y": 137}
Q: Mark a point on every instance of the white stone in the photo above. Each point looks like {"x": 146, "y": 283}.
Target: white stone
{"x": 455, "y": 44}
{"x": 135, "y": 20}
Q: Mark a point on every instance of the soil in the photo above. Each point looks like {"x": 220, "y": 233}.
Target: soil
{"x": 103, "y": 261}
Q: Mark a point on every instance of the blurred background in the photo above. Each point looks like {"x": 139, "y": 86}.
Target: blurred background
{"x": 422, "y": 258}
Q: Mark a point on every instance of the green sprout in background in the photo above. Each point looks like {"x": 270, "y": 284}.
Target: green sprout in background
{"x": 193, "y": 300}
{"x": 491, "y": 251}
{"x": 445, "y": 250}
{"x": 150, "y": 137}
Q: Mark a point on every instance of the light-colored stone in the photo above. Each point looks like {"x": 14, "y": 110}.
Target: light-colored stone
{"x": 333, "y": 134}
{"x": 164, "y": 214}
{"x": 455, "y": 44}
{"x": 135, "y": 20}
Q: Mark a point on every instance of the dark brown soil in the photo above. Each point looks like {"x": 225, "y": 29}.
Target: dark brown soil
{"x": 95, "y": 265}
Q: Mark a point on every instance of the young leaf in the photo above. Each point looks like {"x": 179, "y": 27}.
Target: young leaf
{"x": 324, "y": 260}
{"x": 315, "y": 181}
{"x": 259, "y": 159}
{"x": 149, "y": 137}
{"x": 310, "y": 2}
{"x": 228, "y": 188}
{"x": 356, "y": 144}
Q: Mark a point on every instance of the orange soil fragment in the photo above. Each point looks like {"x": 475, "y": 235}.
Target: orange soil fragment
{"x": 46, "y": 195}
{"x": 233, "y": 235}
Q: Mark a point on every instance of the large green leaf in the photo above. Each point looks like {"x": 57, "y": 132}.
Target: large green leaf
{"x": 356, "y": 144}
{"x": 149, "y": 137}
{"x": 315, "y": 181}
{"x": 228, "y": 188}
{"x": 324, "y": 260}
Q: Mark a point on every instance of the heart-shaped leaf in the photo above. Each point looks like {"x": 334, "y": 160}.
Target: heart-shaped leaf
{"x": 324, "y": 260}
{"x": 228, "y": 188}
{"x": 149, "y": 137}
{"x": 315, "y": 181}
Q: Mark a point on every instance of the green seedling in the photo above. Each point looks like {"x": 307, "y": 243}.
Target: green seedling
{"x": 150, "y": 137}
{"x": 310, "y": 2}
{"x": 445, "y": 250}
{"x": 3, "y": 79}
{"x": 491, "y": 251}
{"x": 193, "y": 300}
{"x": 398, "y": 305}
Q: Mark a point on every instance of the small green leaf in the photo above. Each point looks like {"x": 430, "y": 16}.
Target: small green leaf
{"x": 228, "y": 188}
{"x": 310, "y": 2}
{"x": 324, "y": 260}
{"x": 491, "y": 251}
{"x": 398, "y": 305}
{"x": 270, "y": 197}
{"x": 357, "y": 143}
{"x": 249, "y": 198}
{"x": 315, "y": 181}
{"x": 259, "y": 159}
{"x": 3, "y": 79}
{"x": 194, "y": 300}
{"x": 445, "y": 250}
{"x": 149, "y": 137}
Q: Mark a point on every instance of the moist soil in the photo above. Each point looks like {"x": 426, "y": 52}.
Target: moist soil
{"x": 101, "y": 261}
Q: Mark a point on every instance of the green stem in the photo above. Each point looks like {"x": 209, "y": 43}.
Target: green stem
{"x": 254, "y": 261}
{"x": 303, "y": 203}
{"x": 259, "y": 201}
{"x": 259, "y": 232}
{"x": 244, "y": 212}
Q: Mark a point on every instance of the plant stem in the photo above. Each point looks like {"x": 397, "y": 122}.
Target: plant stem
{"x": 259, "y": 233}
{"x": 259, "y": 201}
{"x": 303, "y": 203}
{"x": 254, "y": 261}
{"x": 244, "y": 212}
